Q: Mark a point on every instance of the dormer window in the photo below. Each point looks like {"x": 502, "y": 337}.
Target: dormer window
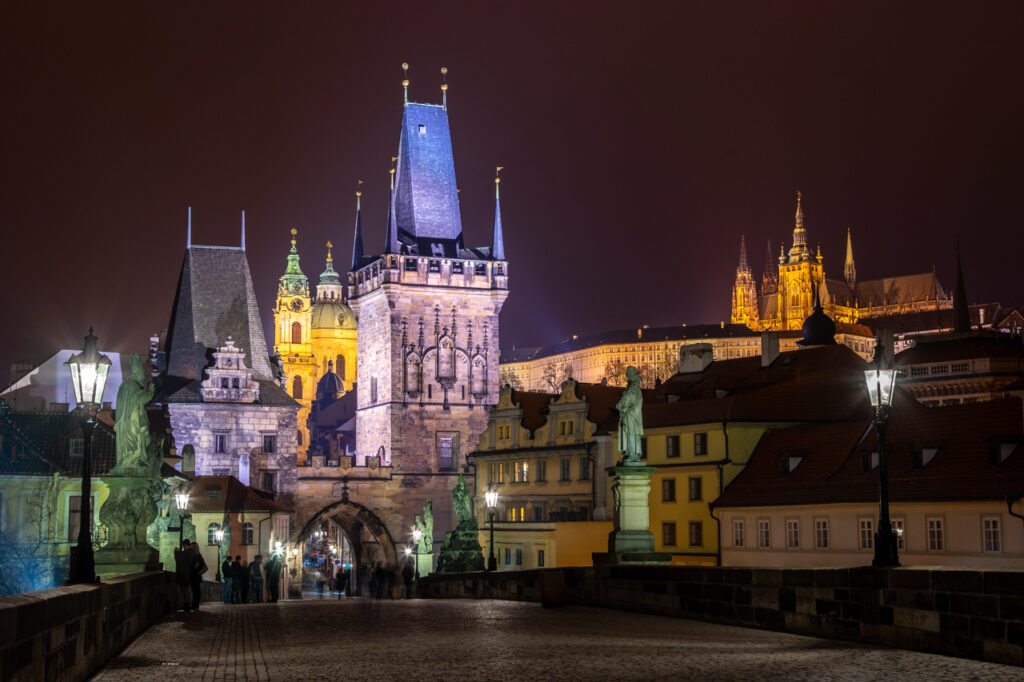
{"x": 788, "y": 463}
{"x": 923, "y": 456}
{"x": 997, "y": 454}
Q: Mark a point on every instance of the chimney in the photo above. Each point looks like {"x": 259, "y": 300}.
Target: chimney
{"x": 695, "y": 357}
{"x": 769, "y": 348}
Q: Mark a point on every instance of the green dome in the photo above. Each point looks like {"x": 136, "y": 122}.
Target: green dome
{"x": 333, "y": 314}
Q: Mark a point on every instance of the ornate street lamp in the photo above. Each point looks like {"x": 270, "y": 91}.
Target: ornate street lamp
{"x": 491, "y": 496}
{"x": 417, "y": 535}
{"x": 181, "y": 504}
{"x": 218, "y": 535}
{"x": 881, "y": 383}
{"x": 89, "y": 376}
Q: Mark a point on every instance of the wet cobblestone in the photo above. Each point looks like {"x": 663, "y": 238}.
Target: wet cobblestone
{"x": 496, "y": 640}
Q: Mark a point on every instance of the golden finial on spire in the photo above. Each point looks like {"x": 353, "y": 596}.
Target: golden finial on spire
{"x": 444, "y": 86}
{"x": 405, "y": 82}
{"x": 330, "y": 258}
{"x": 294, "y": 232}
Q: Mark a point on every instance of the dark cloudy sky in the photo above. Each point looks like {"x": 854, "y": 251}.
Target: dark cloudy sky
{"x": 639, "y": 141}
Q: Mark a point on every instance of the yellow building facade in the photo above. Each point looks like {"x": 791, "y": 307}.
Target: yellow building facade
{"x": 312, "y": 334}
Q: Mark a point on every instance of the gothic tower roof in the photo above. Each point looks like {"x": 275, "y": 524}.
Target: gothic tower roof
{"x": 215, "y": 300}
{"x": 357, "y": 239}
{"x": 849, "y": 270}
{"x": 426, "y": 193}
{"x": 799, "y": 252}
{"x": 293, "y": 281}
{"x": 743, "y": 266}
{"x": 498, "y": 241}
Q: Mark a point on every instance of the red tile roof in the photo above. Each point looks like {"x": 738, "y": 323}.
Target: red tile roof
{"x": 212, "y": 494}
{"x": 39, "y": 443}
{"x": 831, "y": 470}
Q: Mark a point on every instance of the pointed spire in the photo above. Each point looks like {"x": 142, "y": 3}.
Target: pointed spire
{"x": 498, "y": 242}
{"x": 961, "y": 315}
{"x": 444, "y": 87}
{"x": 405, "y": 83}
{"x": 849, "y": 269}
{"x": 188, "y": 235}
{"x": 743, "y": 254}
{"x": 391, "y": 239}
{"x": 799, "y": 251}
{"x": 243, "y": 229}
{"x": 357, "y": 239}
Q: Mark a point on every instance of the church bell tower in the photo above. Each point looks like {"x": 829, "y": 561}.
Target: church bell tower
{"x": 293, "y": 314}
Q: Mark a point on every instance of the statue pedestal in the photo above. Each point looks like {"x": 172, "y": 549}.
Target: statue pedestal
{"x": 631, "y": 541}
{"x": 125, "y": 515}
{"x": 168, "y": 542}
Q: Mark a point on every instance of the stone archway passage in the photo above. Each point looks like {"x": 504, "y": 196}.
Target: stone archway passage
{"x": 357, "y": 513}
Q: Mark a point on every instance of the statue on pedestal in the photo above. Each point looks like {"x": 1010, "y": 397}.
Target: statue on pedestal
{"x": 631, "y": 427}
{"x": 135, "y": 454}
{"x": 461, "y": 550}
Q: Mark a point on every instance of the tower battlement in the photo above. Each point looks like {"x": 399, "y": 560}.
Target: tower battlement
{"x": 461, "y": 273}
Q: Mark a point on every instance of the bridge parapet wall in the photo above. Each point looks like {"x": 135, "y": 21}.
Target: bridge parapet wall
{"x": 967, "y": 613}
{"x": 67, "y": 633}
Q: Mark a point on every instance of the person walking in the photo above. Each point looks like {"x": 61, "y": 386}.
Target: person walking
{"x": 225, "y": 575}
{"x": 273, "y": 576}
{"x": 256, "y": 578}
{"x": 199, "y": 569}
{"x": 184, "y": 558}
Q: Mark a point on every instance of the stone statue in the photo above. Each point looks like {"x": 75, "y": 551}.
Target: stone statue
{"x": 461, "y": 500}
{"x": 127, "y": 511}
{"x": 631, "y": 427}
{"x": 134, "y": 451}
{"x": 427, "y": 544}
{"x": 417, "y": 525}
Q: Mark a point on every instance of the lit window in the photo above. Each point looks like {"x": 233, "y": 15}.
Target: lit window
{"x": 936, "y": 535}
{"x": 211, "y": 533}
{"x": 897, "y": 528}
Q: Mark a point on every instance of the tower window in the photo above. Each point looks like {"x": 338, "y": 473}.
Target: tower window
{"x": 423, "y": 129}
{"x": 339, "y": 365}
{"x": 224, "y": 382}
{"x": 296, "y": 332}
{"x": 297, "y": 388}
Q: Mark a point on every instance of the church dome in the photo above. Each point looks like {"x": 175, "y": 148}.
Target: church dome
{"x": 330, "y": 385}
{"x": 333, "y": 314}
{"x": 819, "y": 329}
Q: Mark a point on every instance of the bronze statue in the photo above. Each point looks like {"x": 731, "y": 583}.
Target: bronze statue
{"x": 461, "y": 500}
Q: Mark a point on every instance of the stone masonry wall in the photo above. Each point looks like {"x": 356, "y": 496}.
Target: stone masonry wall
{"x": 972, "y": 614}
{"x": 67, "y": 633}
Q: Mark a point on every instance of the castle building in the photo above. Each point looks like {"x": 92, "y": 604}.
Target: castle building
{"x": 313, "y": 332}
{"x": 788, "y": 289}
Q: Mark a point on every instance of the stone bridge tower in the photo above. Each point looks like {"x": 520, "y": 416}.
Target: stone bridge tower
{"x": 427, "y": 359}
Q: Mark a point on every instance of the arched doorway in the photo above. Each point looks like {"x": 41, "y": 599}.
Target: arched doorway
{"x": 366, "y": 539}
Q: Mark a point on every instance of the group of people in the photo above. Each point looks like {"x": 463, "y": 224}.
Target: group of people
{"x": 244, "y": 581}
{"x": 189, "y": 569}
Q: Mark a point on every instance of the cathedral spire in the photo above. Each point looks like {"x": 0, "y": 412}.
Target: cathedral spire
{"x": 405, "y": 83}
{"x": 770, "y": 276}
{"x": 243, "y": 229}
{"x": 357, "y": 239}
{"x": 961, "y": 315}
{"x": 444, "y": 87}
{"x": 743, "y": 253}
{"x": 799, "y": 251}
{"x": 498, "y": 243}
{"x": 849, "y": 270}
{"x": 188, "y": 235}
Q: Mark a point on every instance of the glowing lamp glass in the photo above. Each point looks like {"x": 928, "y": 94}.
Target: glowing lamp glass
{"x": 181, "y": 502}
{"x": 89, "y": 371}
{"x": 881, "y": 384}
{"x": 417, "y": 535}
{"x": 492, "y": 498}
{"x": 219, "y": 534}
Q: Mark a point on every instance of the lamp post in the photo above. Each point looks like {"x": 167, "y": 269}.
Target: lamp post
{"x": 417, "y": 535}
{"x": 181, "y": 503}
{"x": 491, "y": 496}
{"x": 881, "y": 383}
{"x": 89, "y": 377}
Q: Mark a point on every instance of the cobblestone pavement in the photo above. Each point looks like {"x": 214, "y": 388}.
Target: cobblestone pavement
{"x": 361, "y": 639}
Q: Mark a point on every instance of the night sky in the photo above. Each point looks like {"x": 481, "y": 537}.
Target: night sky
{"x": 639, "y": 142}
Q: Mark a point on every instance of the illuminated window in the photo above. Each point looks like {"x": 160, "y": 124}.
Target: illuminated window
{"x": 867, "y": 533}
{"x": 897, "y": 527}
{"x": 738, "y": 533}
{"x": 247, "y": 534}
{"x": 521, "y": 471}
{"x": 211, "y": 533}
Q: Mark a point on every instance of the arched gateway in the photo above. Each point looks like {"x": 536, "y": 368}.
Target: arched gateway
{"x": 359, "y": 524}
